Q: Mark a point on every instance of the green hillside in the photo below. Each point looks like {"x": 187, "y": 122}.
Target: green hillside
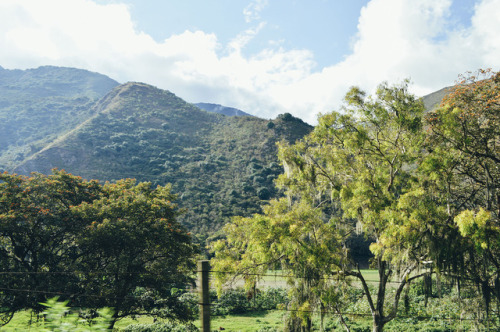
{"x": 38, "y": 105}
{"x": 73, "y": 119}
{"x": 220, "y": 166}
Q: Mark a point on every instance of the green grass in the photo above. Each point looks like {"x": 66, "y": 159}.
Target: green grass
{"x": 249, "y": 322}
{"x": 20, "y": 322}
{"x": 371, "y": 276}
{"x": 244, "y": 322}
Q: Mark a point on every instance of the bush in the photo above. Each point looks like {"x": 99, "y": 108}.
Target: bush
{"x": 190, "y": 300}
{"x": 160, "y": 327}
{"x": 285, "y": 117}
{"x": 231, "y": 301}
{"x": 58, "y": 317}
{"x": 238, "y": 301}
{"x": 271, "y": 298}
{"x": 263, "y": 193}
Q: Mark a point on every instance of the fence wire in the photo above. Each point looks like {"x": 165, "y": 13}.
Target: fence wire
{"x": 214, "y": 305}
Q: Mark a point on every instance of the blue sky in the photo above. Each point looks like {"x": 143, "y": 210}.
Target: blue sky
{"x": 325, "y": 27}
{"x": 265, "y": 57}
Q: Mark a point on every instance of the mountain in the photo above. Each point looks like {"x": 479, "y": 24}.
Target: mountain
{"x": 430, "y": 101}
{"x": 219, "y": 166}
{"x": 38, "y": 105}
{"x": 88, "y": 124}
{"x": 216, "y": 108}
{"x": 433, "y": 99}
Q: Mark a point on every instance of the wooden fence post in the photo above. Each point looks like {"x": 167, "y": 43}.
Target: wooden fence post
{"x": 203, "y": 269}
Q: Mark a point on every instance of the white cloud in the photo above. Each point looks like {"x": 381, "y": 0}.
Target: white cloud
{"x": 252, "y": 11}
{"x": 400, "y": 39}
{"x": 396, "y": 39}
{"x": 58, "y": 31}
{"x": 242, "y": 39}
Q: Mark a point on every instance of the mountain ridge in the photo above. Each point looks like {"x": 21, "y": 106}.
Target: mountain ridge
{"x": 38, "y": 105}
{"x": 219, "y": 165}
{"x": 225, "y": 110}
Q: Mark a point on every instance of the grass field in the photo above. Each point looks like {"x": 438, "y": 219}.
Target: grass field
{"x": 244, "y": 322}
{"x": 249, "y": 322}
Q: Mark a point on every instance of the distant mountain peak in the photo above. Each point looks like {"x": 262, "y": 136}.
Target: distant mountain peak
{"x": 216, "y": 108}
{"x": 433, "y": 100}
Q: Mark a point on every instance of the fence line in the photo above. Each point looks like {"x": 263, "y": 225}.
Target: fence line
{"x": 198, "y": 271}
{"x": 206, "y": 303}
{"x": 446, "y": 284}
{"x": 338, "y": 313}
{"x": 216, "y": 305}
{"x": 297, "y": 277}
{"x": 462, "y": 283}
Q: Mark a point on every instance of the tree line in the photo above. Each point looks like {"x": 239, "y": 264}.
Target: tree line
{"x": 94, "y": 245}
{"x": 422, "y": 188}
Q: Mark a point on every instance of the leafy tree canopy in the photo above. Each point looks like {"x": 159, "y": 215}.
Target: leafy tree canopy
{"x": 116, "y": 245}
{"x": 462, "y": 173}
{"x": 357, "y": 165}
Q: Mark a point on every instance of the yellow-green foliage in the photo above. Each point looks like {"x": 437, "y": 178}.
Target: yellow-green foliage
{"x": 476, "y": 226}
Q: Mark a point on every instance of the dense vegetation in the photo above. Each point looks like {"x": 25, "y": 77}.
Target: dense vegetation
{"x": 116, "y": 245}
{"x": 38, "y": 105}
{"x": 421, "y": 190}
{"x": 220, "y": 166}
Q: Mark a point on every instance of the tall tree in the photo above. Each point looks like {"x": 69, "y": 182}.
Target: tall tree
{"x": 117, "y": 245}
{"x": 38, "y": 237}
{"x": 356, "y": 166}
{"x": 463, "y": 167}
{"x": 140, "y": 260}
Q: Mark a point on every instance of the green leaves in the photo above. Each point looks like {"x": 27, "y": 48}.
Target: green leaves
{"x": 97, "y": 244}
{"x": 478, "y": 227}
{"x": 58, "y": 317}
{"x": 354, "y": 166}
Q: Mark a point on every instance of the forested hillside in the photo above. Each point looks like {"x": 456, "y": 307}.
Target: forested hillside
{"x": 219, "y": 166}
{"x": 38, "y": 105}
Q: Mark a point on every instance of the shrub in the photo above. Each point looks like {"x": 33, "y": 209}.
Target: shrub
{"x": 58, "y": 317}
{"x": 238, "y": 301}
{"x": 160, "y": 327}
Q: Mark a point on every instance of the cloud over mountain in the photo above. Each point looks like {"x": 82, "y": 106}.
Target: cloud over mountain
{"x": 396, "y": 39}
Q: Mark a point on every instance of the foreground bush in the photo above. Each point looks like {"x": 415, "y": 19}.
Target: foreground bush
{"x": 160, "y": 327}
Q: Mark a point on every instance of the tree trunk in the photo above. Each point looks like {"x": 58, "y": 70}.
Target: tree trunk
{"x": 378, "y": 314}
{"x": 377, "y": 307}
{"x": 308, "y": 326}
{"x": 378, "y": 323}
{"x": 342, "y": 319}
{"x": 114, "y": 318}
